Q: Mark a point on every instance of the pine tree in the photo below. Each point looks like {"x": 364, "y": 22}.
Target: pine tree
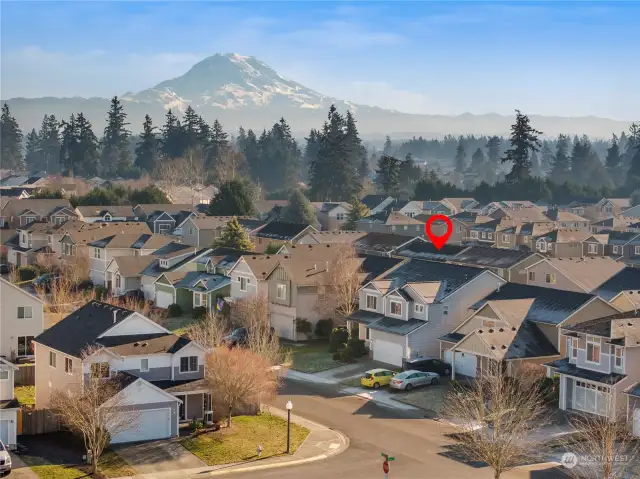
{"x": 478, "y": 161}
{"x": 172, "y": 137}
{"x": 33, "y": 156}
{"x": 233, "y": 198}
{"x": 461, "y": 156}
{"x": 69, "y": 138}
{"x": 116, "y": 155}
{"x": 388, "y": 147}
{"x": 493, "y": 148}
{"x": 251, "y": 153}
{"x": 191, "y": 129}
{"x": 633, "y": 153}
{"x": 148, "y": 150}
{"x": 613, "y": 162}
{"x": 299, "y": 209}
{"x": 50, "y": 144}
{"x": 218, "y": 144}
{"x": 10, "y": 142}
{"x": 546, "y": 155}
{"x": 311, "y": 151}
{"x": 357, "y": 211}
{"x": 561, "y": 163}
{"x": 535, "y": 164}
{"x": 241, "y": 141}
{"x": 524, "y": 139}
{"x": 85, "y": 150}
{"x": 233, "y": 235}
{"x": 409, "y": 173}
{"x": 203, "y": 134}
{"x": 358, "y": 151}
{"x": 388, "y": 174}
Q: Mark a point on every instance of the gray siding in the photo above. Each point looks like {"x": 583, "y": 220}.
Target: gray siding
{"x": 178, "y": 376}
{"x": 419, "y": 341}
{"x": 155, "y": 374}
{"x": 195, "y": 406}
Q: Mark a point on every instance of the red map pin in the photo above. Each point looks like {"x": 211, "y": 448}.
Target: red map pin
{"x": 438, "y": 241}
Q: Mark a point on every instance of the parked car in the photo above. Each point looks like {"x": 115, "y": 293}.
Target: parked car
{"x": 427, "y": 365}
{"x": 376, "y": 378}
{"x": 135, "y": 295}
{"x": 5, "y": 460}
{"x": 45, "y": 281}
{"x": 407, "y": 380}
{"x": 5, "y": 268}
{"x": 238, "y": 337}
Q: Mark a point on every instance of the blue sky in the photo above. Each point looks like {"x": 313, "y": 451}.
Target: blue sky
{"x": 553, "y": 58}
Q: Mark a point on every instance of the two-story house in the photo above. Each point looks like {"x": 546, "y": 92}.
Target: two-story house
{"x": 584, "y": 274}
{"x": 164, "y": 218}
{"x": 9, "y": 405}
{"x": 569, "y": 243}
{"x": 614, "y": 223}
{"x": 377, "y": 203}
{"x": 331, "y": 216}
{"x": 517, "y": 324}
{"x": 280, "y": 232}
{"x": 93, "y": 214}
{"x": 202, "y": 231}
{"x": 622, "y": 289}
{"x": 403, "y": 312}
{"x": 622, "y": 245}
{"x": 409, "y": 208}
{"x": 459, "y": 205}
{"x": 602, "y": 360}
{"x": 16, "y": 213}
{"x": 162, "y": 374}
{"x": 21, "y": 320}
{"x": 388, "y": 221}
{"x": 430, "y": 207}
{"x": 567, "y": 220}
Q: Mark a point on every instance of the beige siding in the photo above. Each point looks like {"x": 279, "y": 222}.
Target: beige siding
{"x": 562, "y": 282}
{"x": 48, "y": 378}
{"x": 189, "y": 233}
{"x": 567, "y": 250}
{"x": 12, "y": 327}
{"x": 474, "y": 345}
{"x": 518, "y": 273}
{"x": 624, "y": 303}
{"x": 551, "y": 333}
{"x": 392, "y": 338}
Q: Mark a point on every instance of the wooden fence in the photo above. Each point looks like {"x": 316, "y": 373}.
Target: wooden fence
{"x": 25, "y": 375}
{"x": 37, "y": 421}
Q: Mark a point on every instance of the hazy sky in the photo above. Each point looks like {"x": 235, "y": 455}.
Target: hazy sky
{"x": 550, "y": 58}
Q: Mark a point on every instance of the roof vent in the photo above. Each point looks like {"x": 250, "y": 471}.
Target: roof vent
{"x": 493, "y": 347}
{"x": 115, "y": 317}
{"x": 480, "y": 331}
{"x": 136, "y": 344}
{"x": 501, "y": 330}
{"x": 513, "y": 328}
{"x": 503, "y": 347}
{"x": 491, "y": 330}
{"x": 144, "y": 344}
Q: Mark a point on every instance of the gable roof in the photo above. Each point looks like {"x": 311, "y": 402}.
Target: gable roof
{"x": 371, "y": 201}
{"x": 283, "y": 230}
{"x": 563, "y": 215}
{"x": 588, "y": 272}
{"x": 566, "y": 236}
{"x": 154, "y": 270}
{"x": 130, "y": 266}
{"x": 265, "y": 206}
{"x": 100, "y": 231}
{"x": 627, "y": 279}
{"x": 384, "y": 242}
{"x": 132, "y": 240}
{"x": 331, "y": 237}
{"x": 171, "y": 208}
{"x": 215, "y": 222}
{"x": 201, "y": 281}
{"x": 113, "y": 210}
{"x": 7, "y": 287}
{"x": 137, "y": 344}
{"x": 41, "y": 207}
{"x": 390, "y": 217}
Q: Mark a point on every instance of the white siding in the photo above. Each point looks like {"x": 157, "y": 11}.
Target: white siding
{"x": 134, "y": 324}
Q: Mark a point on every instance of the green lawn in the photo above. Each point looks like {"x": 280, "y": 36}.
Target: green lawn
{"x": 26, "y": 395}
{"x": 312, "y": 358}
{"x": 110, "y": 465}
{"x": 178, "y": 324}
{"x": 239, "y": 443}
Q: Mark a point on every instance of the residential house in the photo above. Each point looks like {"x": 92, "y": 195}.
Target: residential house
{"x": 388, "y": 221}
{"x": 492, "y": 209}
{"x": 567, "y": 220}
{"x": 9, "y": 405}
{"x": 461, "y": 224}
{"x": 16, "y": 213}
{"x": 163, "y": 219}
{"x": 126, "y": 273}
{"x": 221, "y": 260}
{"x": 404, "y": 312}
{"x": 632, "y": 212}
{"x": 202, "y": 231}
{"x": 191, "y": 289}
{"x": 459, "y": 205}
{"x": 633, "y": 407}
{"x": 384, "y": 244}
{"x": 622, "y": 289}
{"x": 7, "y": 236}
{"x": 572, "y": 243}
{"x": 331, "y": 216}
{"x": 21, "y": 319}
{"x": 377, "y": 203}
{"x": 517, "y": 324}
{"x": 613, "y": 223}
{"x": 600, "y": 363}
{"x": 430, "y": 208}
{"x": 331, "y": 237}
{"x": 607, "y": 207}
{"x": 269, "y": 209}
{"x": 161, "y": 374}
{"x": 93, "y": 214}
{"x": 409, "y": 208}
{"x": 131, "y": 244}
{"x": 584, "y": 274}
{"x": 280, "y": 232}
{"x": 623, "y": 245}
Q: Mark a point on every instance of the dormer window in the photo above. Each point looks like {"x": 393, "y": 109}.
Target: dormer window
{"x": 107, "y": 217}
{"x": 164, "y": 263}
{"x": 395, "y": 308}
{"x": 372, "y": 302}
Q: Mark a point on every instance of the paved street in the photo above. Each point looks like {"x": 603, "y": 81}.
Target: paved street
{"x": 418, "y": 444}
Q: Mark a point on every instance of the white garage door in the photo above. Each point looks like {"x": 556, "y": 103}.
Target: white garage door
{"x": 636, "y": 422}
{"x": 465, "y": 364}
{"x": 283, "y": 325}
{"x": 163, "y": 299}
{"x": 387, "y": 352}
{"x": 153, "y": 424}
{"x": 4, "y": 432}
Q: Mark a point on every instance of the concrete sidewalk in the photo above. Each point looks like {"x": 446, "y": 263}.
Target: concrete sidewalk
{"x": 321, "y": 443}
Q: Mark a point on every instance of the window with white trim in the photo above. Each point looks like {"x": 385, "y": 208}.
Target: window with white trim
{"x": 473, "y": 234}
{"x": 244, "y": 282}
{"x": 372, "y": 302}
{"x": 572, "y": 348}
{"x": 395, "y": 308}
{"x": 189, "y": 364}
{"x": 144, "y": 365}
{"x": 52, "y": 359}
{"x": 541, "y": 245}
{"x": 118, "y": 281}
{"x": 483, "y": 235}
{"x": 25, "y": 312}
{"x": 593, "y": 349}
{"x": 532, "y": 275}
{"x": 636, "y": 250}
{"x": 593, "y": 248}
{"x": 281, "y": 291}
{"x": 618, "y": 353}
{"x": 200, "y": 299}
{"x": 100, "y": 370}
{"x": 97, "y": 253}
{"x": 4, "y": 374}
{"x": 25, "y": 345}
{"x": 419, "y": 308}
{"x": 68, "y": 365}
{"x": 506, "y": 238}
{"x": 550, "y": 278}
{"x": 615, "y": 249}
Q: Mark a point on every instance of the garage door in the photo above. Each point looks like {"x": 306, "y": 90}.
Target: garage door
{"x": 387, "y": 352}
{"x": 4, "y": 431}
{"x": 163, "y": 299}
{"x": 283, "y": 325}
{"x": 153, "y": 424}
{"x": 466, "y": 364}
{"x": 636, "y": 422}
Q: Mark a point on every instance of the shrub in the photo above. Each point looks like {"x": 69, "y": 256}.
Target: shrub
{"x": 346, "y": 354}
{"x": 303, "y": 326}
{"x": 323, "y": 328}
{"x": 199, "y": 312}
{"x": 174, "y": 310}
{"x": 357, "y": 346}
{"x": 550, "y": 388}
{"x": 338, "y": 337}
{"x": 337, "y": 356}
{"x": 355, "y": 331}
{"x": 27, "y": 273}
{"x": 101, "y": 292}
{"x": 196, "y": 425}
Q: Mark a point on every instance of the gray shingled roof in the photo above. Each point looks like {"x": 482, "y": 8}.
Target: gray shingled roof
{"x": 386, "y": 324}
{"x": 212, "y": 282}
{"x": 563, "y": 366}
{"x": 627, "y": 279}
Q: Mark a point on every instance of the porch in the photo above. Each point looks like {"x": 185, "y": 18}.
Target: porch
{"x": 195, "y": 396}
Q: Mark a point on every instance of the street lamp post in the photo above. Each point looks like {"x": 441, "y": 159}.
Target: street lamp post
{"x": 289, "y": 408}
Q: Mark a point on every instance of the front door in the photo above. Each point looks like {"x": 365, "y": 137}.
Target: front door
{"x": 208, "y": 413}
{"x": 18, "y": 260}
{"x": 182, "y": 408}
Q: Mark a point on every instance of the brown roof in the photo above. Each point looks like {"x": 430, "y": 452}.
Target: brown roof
{"x": 588, "y": 272}
{"x": 512, "y": 311}
{"x": 49, "y": 228}
{"x": 427, "y": 291}
{"x": 310, "y": 272}
{"x": 133, "y": 265}
{"x": 383, "y": 285}
{"x": 115, "y": 210}
{"x": 264, "y": 206}
{"x": 151, "y": 345}
{"x": 396, "y": 218}
{"x": 42, "y": 207}
{"x": 331, "y": 237}
{"x": 215, "y": 222}
{"x": 562, "y": 215}
{"x": 528, "y": 214}
{"x": 169, "y": 208}
{"x": 261, "y": 265}
{"x": 96, "y": 231}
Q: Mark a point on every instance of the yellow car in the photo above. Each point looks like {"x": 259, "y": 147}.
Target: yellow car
{"x": 376, "y": 378}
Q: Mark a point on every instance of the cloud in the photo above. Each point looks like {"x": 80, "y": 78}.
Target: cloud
{"x": 386, "y": 96}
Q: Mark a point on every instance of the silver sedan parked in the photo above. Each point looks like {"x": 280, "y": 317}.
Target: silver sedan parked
{"x": 407, "y": 380}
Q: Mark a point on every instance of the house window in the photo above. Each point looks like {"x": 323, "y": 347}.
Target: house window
{"x": 52, "y": 359}
{"x": 483, "y": 235}
{"x": 68, "y": 249}
{"x": 200, "y": 299}
{"x": 244, "y": 281}
{"x": 281, "y": 291}
{"x": 393, "y": 228}
{"x": 117, "y": 280}
{"x": 550, "y": 278}
{"x": 340, "y": 216}
{"x": 107, "y": 217}
{"x": 24, "y": 238}
{"x": 96, "y": 253}
{"x": 532, "y": 275}
{"x": 459, "y": 229}
{"x": 190, "y": 230}
{"x": 68, "y": 365}
{"x": 615, "y": 249}
{"x": 406, "y": 227}
{"x": 25, "y": 312}
{"x": 490, "y": 236}
{"x": 60, "y": 219}
{"x": 609, "y": 209}
{"x": 189, "y": 364}
{"x": 29, "y": 219}
{"x": 572, "y": 348}
{"x": 164, "y": 263}
{"x": 619, "y": 357}
{"x": 4, "y": 374}
{"x": 636, "y": 250}
{"x": 445, "y": 310}
{"x": 419, "y": 308}
{"x": 506, "y": 238}
{"x": 593, "y": 248}
{"x": 396, "y": 308}
{"x": 100, "y": 370}
{"x": 593, "y": 349}
{"x": 25, "y": 345}
{"x": 488, "y": 323}
{"x": 144, "y": 365}
{"x": 372, "y": 302}
{"x": 474, "y": 234}
{"x": 542, "y": 246}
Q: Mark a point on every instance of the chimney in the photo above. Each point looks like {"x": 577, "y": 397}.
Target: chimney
{"x": 115, "y": 318}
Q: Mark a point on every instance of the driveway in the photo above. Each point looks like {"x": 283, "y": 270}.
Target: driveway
{"x": 158, "y": 456}
{"x": 19, "y": 470}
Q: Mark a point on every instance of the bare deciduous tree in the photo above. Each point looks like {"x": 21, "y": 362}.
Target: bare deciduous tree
{"x": 95, "y": 408}
{"x": 209, "y": 331}
{"x": 229, "y": 165}
{"x": 603, "y": 445}
{"x": 76, "y": 267}
{"x": 500, "y": 417}
{"x": 186, "y": 172}
{"x": 47, "y": 262}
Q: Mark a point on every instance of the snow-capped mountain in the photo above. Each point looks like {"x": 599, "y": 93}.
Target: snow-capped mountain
{"x": 243, "y": 91}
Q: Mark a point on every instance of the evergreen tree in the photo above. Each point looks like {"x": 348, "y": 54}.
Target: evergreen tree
{"x": 172, "y": 137}
{"x": 633, "y": 152}
{"x": 358, "y": 157}
{"x": 10, "y": 142}
{"x": 409, "y": 173}
{"x": 233, "y": 199}
{"x": 251, "y": 151}
{"x": 613, "y": 162}
{"x": 151, "y": 195}
{"x": 388, "y": 174}
{"x": 233, "y": 235}
{"x": 191, "y": 129}
{"x": 299, "y": 209}
{"x": 148, "y": 150}
{"x": 311, "y": 150}
{"x": 388, "y": 147}
{"x": 280, "y": 158}
{"x": 493, "y": 148}
{"x": 546, "y": 155}
{"x": 478, "y": 161}
{"x": 203, "y": 134}
{"x": 241, "y": 141}
{"x": 69, "y": 138}
{"x": 461, "y": 156}
{"x": 524, "y": 139}
{"x": 218, "y": 144}
{"x": 561, "y": 163}
{"x": 116, "y": 155}
{"x": 85, "y": 150}
{"x": 33, "y": 156}
{"x": 536, "y": 170}
{"x": 357, "y": 211}
{"x": 50, "y": 144}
